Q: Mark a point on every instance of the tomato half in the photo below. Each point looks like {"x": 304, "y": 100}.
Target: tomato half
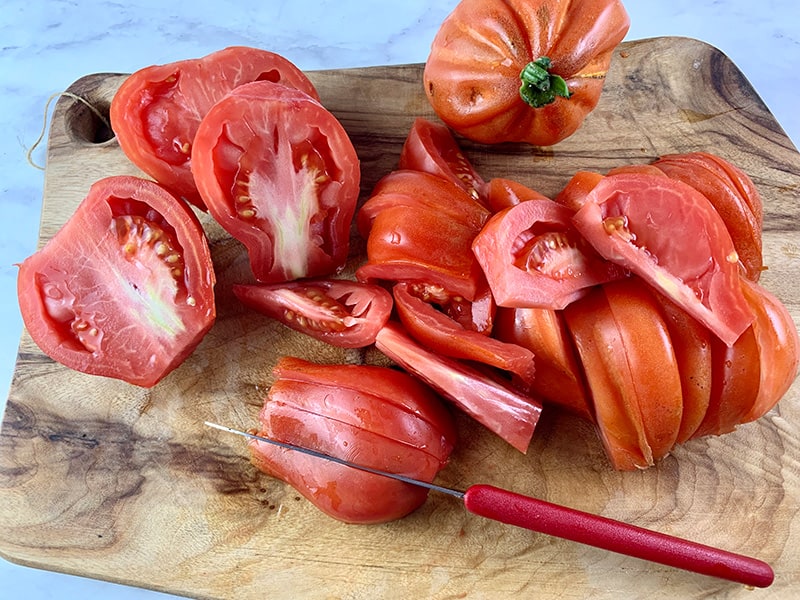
{"x": 374, "y": 416}
{"x": 669, "y": 233}
{"x": 420, "y": 228}
{"x": 125, "y": 289}
{"x": 440, "y": 333}
{"x": 522, "y": 70}
{"x": 532, "y": 256}
{"x": 733, "y": 195}
{"x": 342, "y": 313}
{"x": 431, "y": 148}
{"x": 156, "y": 111}
{"x": 499, "y": 407}
{"x": 279, "y": 173}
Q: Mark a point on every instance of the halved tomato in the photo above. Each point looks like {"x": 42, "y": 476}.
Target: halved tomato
{"x": 669, "y": 233}
{"x": 342, "y": 313}
{"x": 431, "y": 148}
{"x": 496, "y": 405}
{"x": 532, "y": 256}
{"x": 438, "y": 332}
{"x": 156, "y": 111}
{"x": 125, "y": 289}
{"x": 377, "y": 417}
{"x": 279, "y": 173}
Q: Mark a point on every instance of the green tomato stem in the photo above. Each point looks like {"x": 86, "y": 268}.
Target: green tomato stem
{"x": 539, "y": 86}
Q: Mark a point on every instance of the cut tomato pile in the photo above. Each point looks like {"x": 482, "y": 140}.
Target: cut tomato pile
{"x": 490, "y": 295}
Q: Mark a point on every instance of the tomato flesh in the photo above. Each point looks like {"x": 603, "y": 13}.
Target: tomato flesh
{"x": 635, "y": 219}
{"x": 342, "y": 313}
{"x": 279, "y": 173}
{"x": 125, "y": 288}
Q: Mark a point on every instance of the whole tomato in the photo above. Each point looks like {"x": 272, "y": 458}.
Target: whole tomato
{"x": 522, "y": 70}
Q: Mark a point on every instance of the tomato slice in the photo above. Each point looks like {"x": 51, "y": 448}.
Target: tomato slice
{"x": 637, "y": 220}
{"x": 125, "y": 289}
{"x": 778, "y": 346}
{"x": 441, "y": 334}
{"x": 500, "y": 408}
{"x": 626, "y": 352}
{"x": 431, "y": 148}
{"x": 532, "y": 256}
{"x": 156, "y": 111}
{"x": 420, "y": 228}
{"x": 573, "y": 195}
{"x": 559, "y": 378}
{"x": 732, "y": 194}
{"x": 280, "y": 174}
{"x": 342, "y": 313}
{"x": 374, "y": 416}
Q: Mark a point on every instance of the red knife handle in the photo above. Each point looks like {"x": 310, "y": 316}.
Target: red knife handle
{"x": 601, "y": 532}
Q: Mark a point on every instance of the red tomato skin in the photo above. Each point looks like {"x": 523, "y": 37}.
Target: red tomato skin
{"x": 353, "y": 412}
{"x": 472, "y": 75}
{"x": 653, "y": 212}
{"x": 506, "y": 412}
{"x": 559, "y": 379}
{"x": 287, "y": 192}
{"x": 504, "y": 193}
{"x": 65, "y": 288}
{"x": 563, "y": 266}
{"x": 431, "y": 148}
{"x": 440, "y": 334}
{"x": 156, "y": 111}
{"x": 346, "y": 314}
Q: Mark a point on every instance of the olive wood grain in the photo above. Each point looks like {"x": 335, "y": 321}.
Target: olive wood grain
{"x": 105, "y": 480}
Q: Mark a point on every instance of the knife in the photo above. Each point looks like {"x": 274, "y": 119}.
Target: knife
{"x": 560, "y": 521}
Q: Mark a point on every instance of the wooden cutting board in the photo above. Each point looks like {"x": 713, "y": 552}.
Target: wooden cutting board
{"x": 105, "y": 480}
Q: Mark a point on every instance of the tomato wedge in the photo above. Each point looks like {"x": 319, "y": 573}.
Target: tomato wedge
{"x": 420, "y": 228}
{"x": 532, "y": 256}
{"x": 445, "y": 336}
{"x": 125, "y": 289}
{"x": 342, "y": 313}
{"x": 626, "y": 353}
{"x": 559, "y": 378}
{"x": 733, "y": 195}
{"x": 156, "y": 111}
{"x": 778, "y": 345}
{"x": 279, "y": 173}
{"x": 637, "y": 220}
{"x": 374, "y": 416}
{"x": 431, "y": 148}
{"x": 496, "y": 405}
{"x": 504, "y": 193}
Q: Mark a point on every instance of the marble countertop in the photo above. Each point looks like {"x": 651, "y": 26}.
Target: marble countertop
{"x": 46, "y": 45}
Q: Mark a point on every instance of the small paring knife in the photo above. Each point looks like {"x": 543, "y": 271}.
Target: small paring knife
{"x": 577, "y": 526}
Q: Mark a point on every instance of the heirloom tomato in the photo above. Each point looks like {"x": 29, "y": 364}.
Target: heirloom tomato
{"x": 280, "y": 174}
{"x": 342, "y": 313}
{"x": 522, "y": 70}
{"x": 377, "y": 417}
{"x": 125, "y": 289}
{"x": 638, "y": 221}
{"x": 156, "y": 111}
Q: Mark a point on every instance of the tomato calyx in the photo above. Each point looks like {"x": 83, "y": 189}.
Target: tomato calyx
{"x": 539, "y": 86}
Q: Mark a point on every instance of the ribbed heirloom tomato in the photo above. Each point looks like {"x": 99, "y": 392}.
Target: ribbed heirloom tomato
{"x": 522, "y": 70}
{"x": 125, "y": 289}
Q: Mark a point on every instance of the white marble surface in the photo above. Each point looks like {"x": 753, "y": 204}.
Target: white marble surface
{"x": 45, "y": 45}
